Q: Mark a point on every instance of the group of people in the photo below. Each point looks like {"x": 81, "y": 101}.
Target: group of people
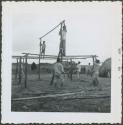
{"x": 58, "y": 73}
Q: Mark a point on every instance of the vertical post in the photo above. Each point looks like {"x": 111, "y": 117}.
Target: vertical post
{"x": 23, "y": 60}
{"x": 65, "y": 31}
{"x": 20, "y": 70}
{"x": 40, "y": 51}
{"x": 16, "y": 72}
{"x": 93, "y": 58}
{"x": 39, "y": 67}
{"x": 25, "y": 85}
{"x": 23, "y": 65}
{"x": 61, "y": 41}
{"x": 71, "y": 70}
{"x": 40, "y": 54}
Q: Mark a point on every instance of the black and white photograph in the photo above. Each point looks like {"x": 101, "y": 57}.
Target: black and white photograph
{"x": 61, "y": 62}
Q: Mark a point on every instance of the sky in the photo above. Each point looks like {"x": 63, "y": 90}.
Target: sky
{"x": 92, "y": 27}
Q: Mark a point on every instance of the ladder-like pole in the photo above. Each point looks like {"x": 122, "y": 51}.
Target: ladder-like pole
{"x": 40, "y": 55}
{"x": 16, "y": 72}
{"x": 52, "y": 29}
{"x": 39, "y": 67}
{"x": 25, "y": 85}
{"x": 20, "y": 71}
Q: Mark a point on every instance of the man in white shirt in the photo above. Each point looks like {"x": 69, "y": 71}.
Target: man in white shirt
{"x": 78, "y": 70}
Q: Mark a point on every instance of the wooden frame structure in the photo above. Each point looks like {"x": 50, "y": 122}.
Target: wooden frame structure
{"x": 27, "y": 56}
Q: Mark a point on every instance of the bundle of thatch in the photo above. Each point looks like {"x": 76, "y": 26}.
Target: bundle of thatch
{"x": 105, "y": 69}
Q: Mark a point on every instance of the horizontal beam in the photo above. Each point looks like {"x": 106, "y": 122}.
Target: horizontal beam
{"x": 86, "y": 56}
{"x": 69, "y": 56}
{"x": 49, "y": 58}
{"x": 46, "y": 96}
{"x": 18, "y": 56}
{"x": 52, "y": 57}
{"x": 68, "y": 96}
{"x": 39, "y": 54}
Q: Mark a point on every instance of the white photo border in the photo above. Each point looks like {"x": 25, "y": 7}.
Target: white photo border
{"x": 46, "y": 117}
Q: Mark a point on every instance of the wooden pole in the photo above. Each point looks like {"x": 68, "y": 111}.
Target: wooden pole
{"x": 23, "y": 65}
{"x": 93, "y": 58}
{"x": 71, "y": 69}
{"x": 40, "y": 54}
{"x": 39, "y": 67}
{"x": 52, "y": 29}
{"x": 16, "y": 72}
{"x": 20, "y": 71}
{"x": 40, "y": 51}
{"x": 61, "y": 41}
{"x": 25, "y": 85}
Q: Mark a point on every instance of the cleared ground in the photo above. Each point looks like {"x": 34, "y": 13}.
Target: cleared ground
{"x": 74, "y": 96}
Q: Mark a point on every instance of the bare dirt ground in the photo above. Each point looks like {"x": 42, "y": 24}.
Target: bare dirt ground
{"x": 76, "y": 95}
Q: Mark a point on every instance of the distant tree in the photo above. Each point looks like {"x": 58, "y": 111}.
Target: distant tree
{"x": 105, "y": 69}
{"x": 33, "y": 66}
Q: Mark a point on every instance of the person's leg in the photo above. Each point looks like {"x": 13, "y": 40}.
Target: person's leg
{"x": 62, "y": 80}
{"x": 71, "y": 75}
{"x": 43, "y": 53}
{"x": 77, "y": 74}
{"x": 22, "y": 74}
{"x": 56, "y": 81}
{"x": 95, "y": 79}
{"x": 52, "y": 79}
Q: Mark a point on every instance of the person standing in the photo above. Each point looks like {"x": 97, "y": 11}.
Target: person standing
{"x": 89, "y": 70}
{"x": 58, "y": 73}
{"x": 95, "y": 75}
{"x": 43, "y": 49}
{"x": 78, "y": 70}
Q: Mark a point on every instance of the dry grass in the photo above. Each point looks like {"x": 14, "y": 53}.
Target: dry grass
{"x": 58, "y": 104}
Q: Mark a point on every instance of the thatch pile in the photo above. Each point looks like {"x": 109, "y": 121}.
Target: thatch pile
{"x": 105, "y": 69}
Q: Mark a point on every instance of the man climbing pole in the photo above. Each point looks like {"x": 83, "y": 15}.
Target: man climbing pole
{"x": 62, "y": 47}
{"x": 40, "y": 47}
